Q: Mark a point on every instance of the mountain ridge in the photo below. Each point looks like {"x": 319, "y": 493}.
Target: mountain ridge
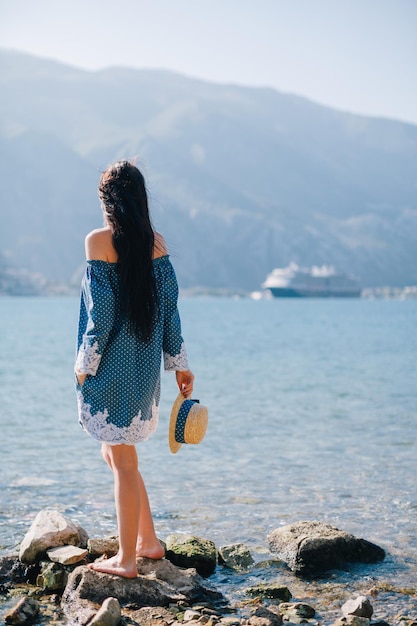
{"x": 262, "y": 178}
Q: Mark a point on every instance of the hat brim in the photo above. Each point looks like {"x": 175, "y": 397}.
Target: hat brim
{"x": 174, "y": 446}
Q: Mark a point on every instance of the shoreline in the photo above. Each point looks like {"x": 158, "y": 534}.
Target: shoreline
{"x": 246, "y": 587}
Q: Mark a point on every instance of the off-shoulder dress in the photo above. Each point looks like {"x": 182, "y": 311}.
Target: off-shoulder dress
{"x": 119, "y": 401}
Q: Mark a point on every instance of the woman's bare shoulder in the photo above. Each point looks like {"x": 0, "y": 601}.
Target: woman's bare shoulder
{"x": 99, "y": 245}
{"x": 160, "y": 247}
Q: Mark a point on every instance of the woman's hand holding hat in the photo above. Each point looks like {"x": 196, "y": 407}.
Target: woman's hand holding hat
{"x": 185, "y": 380}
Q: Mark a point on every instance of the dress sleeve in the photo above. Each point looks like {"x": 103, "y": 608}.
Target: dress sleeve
{"x": 175, "y": 354}
{"x": 97, "y": 314}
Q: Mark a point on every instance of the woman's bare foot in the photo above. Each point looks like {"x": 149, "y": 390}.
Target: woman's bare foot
{"x": 116, "y": 567}
{"x": 150, "y": 551}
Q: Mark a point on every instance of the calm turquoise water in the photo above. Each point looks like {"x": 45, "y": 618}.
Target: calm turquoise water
{"x": 313, "y": 415}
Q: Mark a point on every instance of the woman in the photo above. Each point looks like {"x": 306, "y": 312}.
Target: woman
{"x": 128, "y": 318}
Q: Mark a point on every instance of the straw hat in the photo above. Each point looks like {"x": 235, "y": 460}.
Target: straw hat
{"x": 188, "y": 423}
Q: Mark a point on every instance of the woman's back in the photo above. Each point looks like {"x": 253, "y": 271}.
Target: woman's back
{"x": 99, "y": 245}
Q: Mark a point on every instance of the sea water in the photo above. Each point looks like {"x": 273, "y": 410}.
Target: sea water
{"x": 312, "y": 416}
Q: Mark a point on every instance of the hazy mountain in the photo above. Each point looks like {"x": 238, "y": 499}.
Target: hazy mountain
{"x": 241, "y": 180}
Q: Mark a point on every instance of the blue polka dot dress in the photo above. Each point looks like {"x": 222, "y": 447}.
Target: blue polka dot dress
{"x": 119, "y": 401}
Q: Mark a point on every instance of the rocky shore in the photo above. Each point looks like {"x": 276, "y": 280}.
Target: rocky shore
{"x": 49, "y": 583}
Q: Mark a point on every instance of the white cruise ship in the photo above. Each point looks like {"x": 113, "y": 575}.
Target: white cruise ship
{"x": 314, "y": 282}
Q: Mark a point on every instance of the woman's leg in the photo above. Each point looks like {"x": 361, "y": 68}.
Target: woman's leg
{"x": 127, "y": 494}
{"x": 147, "y": 542}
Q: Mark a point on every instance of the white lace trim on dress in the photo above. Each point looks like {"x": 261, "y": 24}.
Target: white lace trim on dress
{"x": 98, "y": 427}
{"x": 88, "y": 359}
{"x": 177, "y": 362}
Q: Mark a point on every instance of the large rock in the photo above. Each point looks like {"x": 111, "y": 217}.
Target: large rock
{"x": 159, "y": 583}
{"x": 190, "y": 551}
{"x": 312, "y": 547}
{"x": 49, "y": 529}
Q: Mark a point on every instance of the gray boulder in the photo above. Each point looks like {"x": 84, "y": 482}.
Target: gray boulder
{"x": 190, "y": 551}
{"x": 359, "y": 606}
{"x": 312, "y": 547}
{"x": 49, "y": 529}
{"x": 159, "y": 583}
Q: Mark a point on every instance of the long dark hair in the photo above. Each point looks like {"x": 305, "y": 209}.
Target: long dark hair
{"x": 124, "y": 201}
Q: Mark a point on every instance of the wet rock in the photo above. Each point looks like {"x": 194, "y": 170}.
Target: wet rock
{"x": 108, "y": 615}
{"x": 153, "y": 616}
{"x": 159, "y": 583}
{"x": 359, "y": 606}
{"x": 49, "y": 529}
{"x": 12, "y": 570}
{"x": 263, "y": 616}
{"x": 106, "y": 545}
{"x": 190, "y": 551}
{"x": 25, "y": 611}
{"x": 311, "y": 547}
{"x": 67, "y": 555}
{"x": 270, "y": 590}
{"x": 297, "y": 609}
{"x": 235, "y": 556}
{"x": 52, "y": 577}
{"x": 352, "y": 620}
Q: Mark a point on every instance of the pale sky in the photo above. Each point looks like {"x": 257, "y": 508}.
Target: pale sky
{"x": 353, "y": 55}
